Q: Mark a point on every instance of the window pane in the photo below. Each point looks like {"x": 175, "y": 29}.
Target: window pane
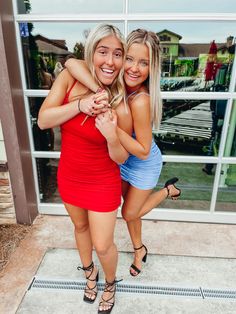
{"x": 230, "y": 146}
{"x": 196, "y": 186}
{"x": 226, "y": 197}
{"x": 44, "y": 140}
{"x": 47, "y": 180}
{"x": 69, "y": 6}
{"x": 173, "y": 6}
{"x": 191, "y": 127}
{"x": 194, "y": 59}
{"x": 46, "y": 46}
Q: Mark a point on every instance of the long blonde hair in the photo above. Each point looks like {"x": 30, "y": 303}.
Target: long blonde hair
{"x": 151, "y": 40}
{"x": 117, "y": 89}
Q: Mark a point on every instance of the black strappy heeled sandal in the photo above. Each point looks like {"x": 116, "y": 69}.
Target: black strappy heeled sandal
{"x": 109, "y": 287}
{"x": 87, "y": 289}
{"x": 144, "y": 259}
{"x": 172, "y": 181}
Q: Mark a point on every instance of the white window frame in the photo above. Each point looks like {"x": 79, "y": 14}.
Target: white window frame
{"x": 210, "y": 216}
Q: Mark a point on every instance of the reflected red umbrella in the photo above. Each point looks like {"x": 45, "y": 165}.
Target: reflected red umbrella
{"x": 211, "y": 65}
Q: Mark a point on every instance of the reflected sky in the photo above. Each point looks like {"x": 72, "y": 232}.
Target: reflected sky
{"x": 134, "y": 6}
{"x": 191, "y": 32}
{"x": 71, "y": 32}
{"x": 75, "y": 6}
{"x": 184, "y": 6}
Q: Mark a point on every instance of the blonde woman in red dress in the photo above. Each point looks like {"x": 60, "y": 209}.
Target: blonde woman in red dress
{"x": 88, "y": 172}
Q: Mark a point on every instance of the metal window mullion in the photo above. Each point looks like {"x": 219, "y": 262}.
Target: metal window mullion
{"x": 189, "y": 159}
{"x": 14, "y": 6}
{"x": 197, "y": 95}
{"x": 159, "y": 214}
{"x": 165, "y": 95}
{"x": 228, "y": 160}
{"x": 126, "y": 21}
{"x": 221, "y": 154}
{"x": 46, "y": 154}
{"x": 126, "y": 16}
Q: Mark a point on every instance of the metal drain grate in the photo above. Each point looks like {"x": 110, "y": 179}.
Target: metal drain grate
{"x": 214, "y": 293}
{"x": 134, "y": 288}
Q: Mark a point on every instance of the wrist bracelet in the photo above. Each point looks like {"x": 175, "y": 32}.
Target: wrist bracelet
{"x": 79, "y": 106}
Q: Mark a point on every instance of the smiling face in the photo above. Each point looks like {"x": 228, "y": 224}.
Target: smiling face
{"x": 136, "y": 68}
{"x": 108, "y": 59}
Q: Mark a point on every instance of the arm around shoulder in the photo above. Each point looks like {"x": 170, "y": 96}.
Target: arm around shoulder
{"x": 79, "y": 70}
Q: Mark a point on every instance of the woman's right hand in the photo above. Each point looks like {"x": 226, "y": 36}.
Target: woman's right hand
{"x": 95, "y": 104}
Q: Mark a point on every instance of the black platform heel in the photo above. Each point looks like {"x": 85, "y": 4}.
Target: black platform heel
{"x": 172, "y": 181}
{"x": 109, "y": 287}
{"x": 144, "y": 259}
{"x": 87, "y": 289}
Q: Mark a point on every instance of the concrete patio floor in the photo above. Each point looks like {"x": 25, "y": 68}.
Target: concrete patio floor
{"x": 175, "y": 249}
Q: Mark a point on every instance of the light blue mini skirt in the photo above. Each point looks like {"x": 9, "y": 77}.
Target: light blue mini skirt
{"x": 143, "y": 174}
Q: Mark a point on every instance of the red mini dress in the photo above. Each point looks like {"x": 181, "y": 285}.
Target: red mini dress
{"x": 87, "y": 177}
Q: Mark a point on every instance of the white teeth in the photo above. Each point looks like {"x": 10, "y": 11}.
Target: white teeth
{"x": 107, "y": 71}
{"x": 133, "y": 76}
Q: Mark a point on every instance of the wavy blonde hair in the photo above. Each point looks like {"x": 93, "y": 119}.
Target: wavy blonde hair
{"x": 151, "y": 40}
{"x": 117, "y": 89}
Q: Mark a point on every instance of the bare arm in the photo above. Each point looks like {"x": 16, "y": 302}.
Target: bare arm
{"x": 140, "y": 147}
{"x": 79, "y": 70}
{"x": 51, "y": 113}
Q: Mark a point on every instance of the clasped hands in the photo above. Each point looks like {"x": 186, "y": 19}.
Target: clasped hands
{"x": 106, "y": 119}
{"x": 95, "y": 104}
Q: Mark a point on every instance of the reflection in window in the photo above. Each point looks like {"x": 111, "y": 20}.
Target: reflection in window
{"x": 230, "y": 146}
{"x": 47, "y": 180}
{"x": 44, "y": 140}
{"x": 193, "y": 59}
{"x": 226, "y": 197}
{"x": 191, "y": 127}
{"x": 195, "y": 185}
{"x": 173, "y": 6}
{"x": 47, "y": 47}
{"x": 69, "y": 6}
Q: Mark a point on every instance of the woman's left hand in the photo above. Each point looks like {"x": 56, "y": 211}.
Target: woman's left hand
{"x": 101, "y": 102}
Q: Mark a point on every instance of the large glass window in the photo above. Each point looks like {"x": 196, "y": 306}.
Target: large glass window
{"x": 47, "y": 180}
{"x": 230, "y": 146}
{"x": 191, "y": 127}
{"x": 197, "y": 135}
{"x": 193, "y": 59}
{"x": 47, "y": 46}
{"x": 160, "y": 6}
{"x": 69, "y": 6}
{"x": 196, "y": 186}
{"x": 44, "y": 140}
{"x": 226, "y": 196}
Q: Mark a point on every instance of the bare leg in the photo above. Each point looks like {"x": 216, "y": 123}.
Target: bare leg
{"x": 138, "y": 203}
{"x": 79, "y": 217}
{"x": 102, "y": 227}
{"x": 156, "y": 198}
{"x": 134, "y": 200}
